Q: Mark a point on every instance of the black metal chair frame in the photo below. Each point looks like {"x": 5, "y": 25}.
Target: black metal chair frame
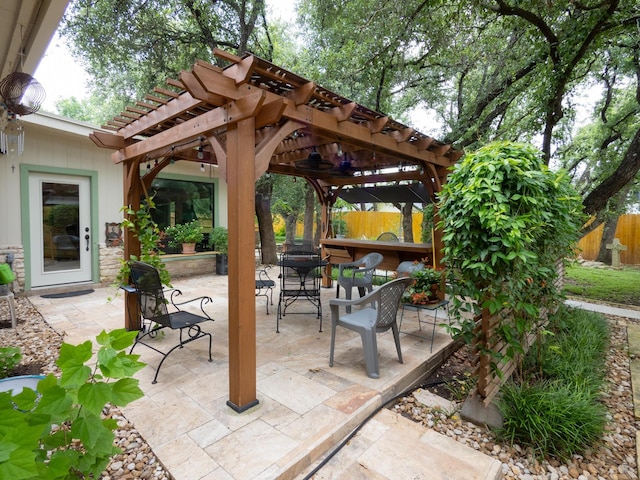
{"x": 265, "y": 286}
{"x": 153, "y": 309}
{"x": 300, "y": 278}
{"x": 432, "y": 307}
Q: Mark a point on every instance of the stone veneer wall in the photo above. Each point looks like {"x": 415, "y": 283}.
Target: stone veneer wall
{"x": 18, "y": 264}
{"x": 177, "y": 265}
{"x": 109, "y": 262}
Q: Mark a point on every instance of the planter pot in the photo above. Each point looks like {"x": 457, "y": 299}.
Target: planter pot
{"x": 16, "y": 384}
{"x": 189, "y": 248}
{"x": 222, "y": 267}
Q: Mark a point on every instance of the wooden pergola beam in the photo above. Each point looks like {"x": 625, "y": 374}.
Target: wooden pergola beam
{"x": 194, "y": 128}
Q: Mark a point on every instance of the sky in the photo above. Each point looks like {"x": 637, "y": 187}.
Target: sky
{"x": 60, "y": 75}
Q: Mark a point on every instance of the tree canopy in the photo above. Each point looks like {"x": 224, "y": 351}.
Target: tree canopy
{"x": 485, "y": 70}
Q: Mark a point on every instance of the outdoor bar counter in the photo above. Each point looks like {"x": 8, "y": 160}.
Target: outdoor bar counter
{"x": 342, "y": 250}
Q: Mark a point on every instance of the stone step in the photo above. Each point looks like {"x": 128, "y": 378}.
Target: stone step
{"x": 391, "y": 446}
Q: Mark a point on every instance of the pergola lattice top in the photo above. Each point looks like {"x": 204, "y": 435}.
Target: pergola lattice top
{"x": 326, "y": 122}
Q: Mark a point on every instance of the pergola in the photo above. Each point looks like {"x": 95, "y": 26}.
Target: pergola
{"x": 253, "y": 116}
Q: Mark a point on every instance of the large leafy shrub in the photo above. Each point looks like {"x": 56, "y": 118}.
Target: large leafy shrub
{"x": 507, "y": 220}
{"x": 58, "y": 432}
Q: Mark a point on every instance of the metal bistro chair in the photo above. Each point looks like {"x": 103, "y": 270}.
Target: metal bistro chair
{"x": 387, "y": 237}
{"x": 370, "y": 321}
{"x": 300, "y": 279}
{"x": 358, "y": 273}
{"x": 156, "y": 315}
{"x": 265, "y": 286}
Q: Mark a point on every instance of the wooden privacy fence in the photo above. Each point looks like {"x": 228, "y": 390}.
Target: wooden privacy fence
{"x": 489, "y": 381}
{"x": 628, "y": 231}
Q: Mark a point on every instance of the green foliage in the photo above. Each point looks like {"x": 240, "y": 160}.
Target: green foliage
{"x": 9, "y": 358}
{"x": 338, "y": 211}
{"x": 58, "y": 432}
{"x": 339, "y": 226}
{"x": 574, "y": 352}
{"x": 131, "y": 46}
{"x": 185, "y": 233}
{"x": 427, "y": 223}
{"x": 603, "y": 284}
{"x": 553, "y": 419}
{"x": 507, "y": 220}
{"x": 146, "y": 230}
{"x": 219, "y": 239}
{"x": 554, "y": 408}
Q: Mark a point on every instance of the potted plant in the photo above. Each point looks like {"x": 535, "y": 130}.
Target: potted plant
{"x": 219, "y": 242}
{"x": 425, "y": 288}
{"x": 185, "y": 234}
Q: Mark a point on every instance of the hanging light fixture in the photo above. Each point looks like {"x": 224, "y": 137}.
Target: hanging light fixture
{"x": 313, "y": 163}
{"x": 21, "y": 94}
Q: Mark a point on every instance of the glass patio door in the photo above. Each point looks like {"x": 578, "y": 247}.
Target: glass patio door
{"x": 60, "y": 229}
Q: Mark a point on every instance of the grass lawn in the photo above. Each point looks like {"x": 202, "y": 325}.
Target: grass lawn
{"x": 604, "y": 284}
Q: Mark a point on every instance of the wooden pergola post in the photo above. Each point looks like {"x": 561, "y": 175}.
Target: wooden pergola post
{"x": 242, "y": 308}
{"x": 132, "y": 194}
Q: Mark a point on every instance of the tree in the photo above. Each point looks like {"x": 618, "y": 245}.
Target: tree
{"x": 131, "y": 46}
{"x": 289, "y": 203}
{"x": 264, "y": 190}
{"x": 489, "y": 70}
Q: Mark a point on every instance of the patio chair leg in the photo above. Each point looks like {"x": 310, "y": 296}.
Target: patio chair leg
{"x": 370, "y": 347}
{"x": 333, "y": 343}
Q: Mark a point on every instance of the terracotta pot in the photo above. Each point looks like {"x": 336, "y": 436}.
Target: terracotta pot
{"x": 189, "y": 248}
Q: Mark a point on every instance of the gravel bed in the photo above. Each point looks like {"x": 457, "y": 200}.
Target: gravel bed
{"x": 40, "y": 345}
{"x": 613, "y": 459}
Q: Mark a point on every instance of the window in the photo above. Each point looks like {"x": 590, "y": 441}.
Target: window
{"x": 182, "y": 201}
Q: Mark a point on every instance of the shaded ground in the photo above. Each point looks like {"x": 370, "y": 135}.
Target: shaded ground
{"x": 453, "y": 379}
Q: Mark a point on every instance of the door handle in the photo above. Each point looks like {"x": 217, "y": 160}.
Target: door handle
{"x": 86, "y": 237}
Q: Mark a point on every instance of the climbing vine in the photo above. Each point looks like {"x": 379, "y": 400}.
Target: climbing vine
{"x": 507, "y": 219}
{"x": 142, "y": 225}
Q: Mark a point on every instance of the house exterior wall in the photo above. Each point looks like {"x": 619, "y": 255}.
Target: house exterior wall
{"x": 57, "y": 145}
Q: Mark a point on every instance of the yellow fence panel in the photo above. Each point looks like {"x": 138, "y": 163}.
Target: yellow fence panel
{"x": 628, "y": 231}
{"x": 369, "y": 225}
